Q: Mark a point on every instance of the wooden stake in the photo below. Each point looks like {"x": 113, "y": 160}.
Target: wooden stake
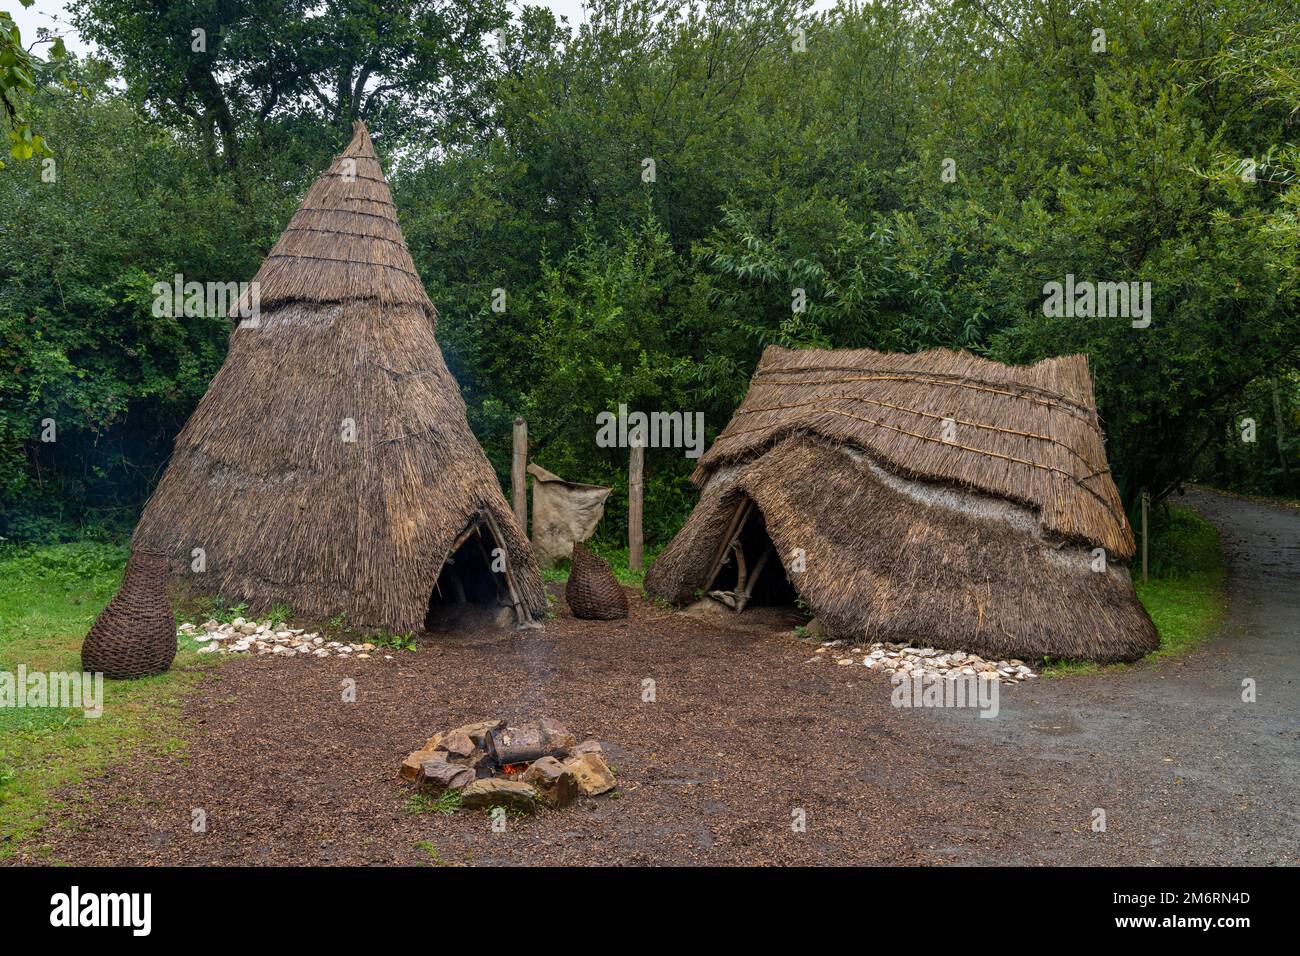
{"x": 1277, "y": 415}
{"x": 518, "y": 477}
{"x": 635, "y": 490}
{"x": 522, "y": 617}
{"x": 1146, "y": 504}
{"x": 733, "y": 529}
{"x": 742, "y": 597}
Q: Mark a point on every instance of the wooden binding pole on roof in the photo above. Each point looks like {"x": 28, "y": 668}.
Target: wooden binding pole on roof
{"x": 635, "y": 493}
{"x": 518, "y": 477}
{"x": 1146, "y": 504}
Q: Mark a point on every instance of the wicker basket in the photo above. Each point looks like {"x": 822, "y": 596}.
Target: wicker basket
{"x": 135, "y": 635}
{"x": 593, "y": 592}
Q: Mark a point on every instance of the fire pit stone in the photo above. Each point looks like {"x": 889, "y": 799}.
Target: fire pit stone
{"x": 411, "y": 765}
{"x": 493, "y": 763}
{"x": 555, "y": 783}
{"x": 556, "y": 736}
{"x": 478, "y": 732}
{"x": 492, "y": 792}
{"x": 458, "y": 744}
{"x": 438, "y": 775}
{"x": 593, "y": 774}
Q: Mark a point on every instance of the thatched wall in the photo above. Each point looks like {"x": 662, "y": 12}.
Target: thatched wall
{"x": 1029, "y": 434}
{"x": 260, "y": 477}
{"x": 893, "y": 559}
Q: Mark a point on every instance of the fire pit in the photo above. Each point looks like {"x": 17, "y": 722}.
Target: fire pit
{"x": 493, "y": 763}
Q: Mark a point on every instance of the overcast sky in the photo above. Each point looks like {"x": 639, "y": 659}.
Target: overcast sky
{"x": 51, "y": 14}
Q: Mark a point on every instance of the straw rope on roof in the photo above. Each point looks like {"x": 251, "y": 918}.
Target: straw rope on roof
{"x": 1026, "y": 433}
{"x": 891, "y": 559}
{"x": 344, "y": 242}
{"x": 284, "y": 508}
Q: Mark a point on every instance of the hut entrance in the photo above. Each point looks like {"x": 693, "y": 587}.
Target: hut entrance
{"x": 747, "y": 571}
{"x": 474, "y": 582}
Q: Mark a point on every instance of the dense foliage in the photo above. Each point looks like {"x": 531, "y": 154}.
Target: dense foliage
{"x": 650, "y": 189}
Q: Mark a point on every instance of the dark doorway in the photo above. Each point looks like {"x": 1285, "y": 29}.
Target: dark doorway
{"x": 750, "y": 572}
{"x": 467, "y": 584}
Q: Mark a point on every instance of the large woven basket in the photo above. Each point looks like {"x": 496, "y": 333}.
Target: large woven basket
{"x": 593, "y": 592}
{"x": 135, "y": 635}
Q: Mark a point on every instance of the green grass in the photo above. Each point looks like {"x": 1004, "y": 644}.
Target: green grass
{"x": 431, "y": 851}
{"x": 49, "y": 597}
{"x": 1185, "y": 593}
{"x": 446, "y": 803}
{"x": 617, "y": 558}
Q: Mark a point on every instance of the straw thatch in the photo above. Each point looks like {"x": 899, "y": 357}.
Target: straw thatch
{"x": 937, "y": 497}
{"x": 261, "y": 477}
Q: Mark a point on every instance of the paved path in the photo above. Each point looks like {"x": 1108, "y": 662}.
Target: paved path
{"x": 1186, "y": 771}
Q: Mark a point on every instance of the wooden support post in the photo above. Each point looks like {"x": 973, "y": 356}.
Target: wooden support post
{"x": 522, "y": 617}
{"x": 635, "y": 491}
{"x": 1277, "y": 415}
{"x": 1146, "y": 505}
{"x": 518, "y": 477}
{"x": 742, "y": 596}
{"x": 733, "y": 529}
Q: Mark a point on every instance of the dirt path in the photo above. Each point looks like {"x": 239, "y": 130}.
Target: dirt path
{"x": 1186, "y": 771}
{"x": 742, "y": 733}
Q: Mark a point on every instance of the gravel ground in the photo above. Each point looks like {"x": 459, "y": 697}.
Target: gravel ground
{"x": 743, "y": 732}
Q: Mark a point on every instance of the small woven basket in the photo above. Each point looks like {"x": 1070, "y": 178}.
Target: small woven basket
{"x": 593, "y": 592}
{"x": 135, "y": 635}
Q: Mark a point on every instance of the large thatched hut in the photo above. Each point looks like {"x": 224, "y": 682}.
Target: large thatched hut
{"x": 330, "y": 466}
{"x": 936, "y": 497}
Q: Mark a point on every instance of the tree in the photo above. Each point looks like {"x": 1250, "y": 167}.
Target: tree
{"x": 20, "y": 74}
{"x": 228, "y": 69}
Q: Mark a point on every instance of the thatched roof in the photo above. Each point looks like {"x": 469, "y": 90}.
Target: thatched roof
{"x": 261, "y": 478}
{"x": 344, "y": 244}
{"x": 982, "y": 544}
{"x": 1026, "y": 433}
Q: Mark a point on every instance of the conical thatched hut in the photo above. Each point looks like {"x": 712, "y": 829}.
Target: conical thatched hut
{"x": 937, "y": 498}
{"x": 330, "y": 466}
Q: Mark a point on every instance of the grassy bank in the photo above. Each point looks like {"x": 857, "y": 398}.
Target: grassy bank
{"x": 49, "y": 596}
{"x": 1185, "y": 593}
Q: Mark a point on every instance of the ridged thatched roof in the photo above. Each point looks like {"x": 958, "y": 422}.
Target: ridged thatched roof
{"x": 890, "y": 559}
{"x": 935, "y": 498}
{"x": 344, "y": 242}
{"x": 1027, "y": 433}
{"x": 261, "y": 478}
